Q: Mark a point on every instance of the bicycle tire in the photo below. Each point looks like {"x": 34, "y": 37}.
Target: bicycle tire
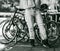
{"x": 6, "y": 37}
{"x": 39, "y": 40}
{"x": 37, "y": 36}
{"x": 2, "y": 22}
{"x": 52, "y": 40}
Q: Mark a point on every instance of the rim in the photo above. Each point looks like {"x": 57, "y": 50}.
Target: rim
{"x": 52, "y": 31}
{"x": 8, "y": 33}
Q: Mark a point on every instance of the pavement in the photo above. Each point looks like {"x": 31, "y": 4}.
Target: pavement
{"x": 29, "y": 48}
{"x": 19, "y": 48}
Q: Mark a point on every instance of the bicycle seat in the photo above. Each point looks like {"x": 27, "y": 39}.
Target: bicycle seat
{"x": 20, "y": 9}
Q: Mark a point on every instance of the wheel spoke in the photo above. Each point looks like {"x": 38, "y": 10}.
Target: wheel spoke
{"x": 52, "y": 32}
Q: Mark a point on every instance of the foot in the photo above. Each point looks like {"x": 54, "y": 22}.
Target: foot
{"x": 46, "y": 44}
{"x": 32, "y": 42}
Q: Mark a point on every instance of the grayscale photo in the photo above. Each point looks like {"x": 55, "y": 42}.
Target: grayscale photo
{"x": 29, "y": 25}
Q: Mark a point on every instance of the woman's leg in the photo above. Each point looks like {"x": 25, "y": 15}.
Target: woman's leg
{"x": 42, "y": 30}
{"x": 28, "y": 18}
{"x": 40, "y": 23}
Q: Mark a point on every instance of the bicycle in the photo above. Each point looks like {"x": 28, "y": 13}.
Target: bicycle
{"x": 20, "y": 32}
{"x": 20, "y": 29}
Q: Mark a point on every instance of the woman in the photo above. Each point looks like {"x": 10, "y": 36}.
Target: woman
{"x": 29, "y": 6}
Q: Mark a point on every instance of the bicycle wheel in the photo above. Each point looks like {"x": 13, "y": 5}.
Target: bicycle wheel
{"x": 9, "y": 31}
{"x": 23, "y": 34}
{"x": 37, "y": 35}
{"x": 52, "y": 32}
